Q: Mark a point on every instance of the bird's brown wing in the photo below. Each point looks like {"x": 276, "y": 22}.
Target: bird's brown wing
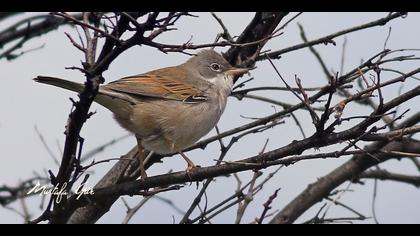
{"x": 158, "y": 84}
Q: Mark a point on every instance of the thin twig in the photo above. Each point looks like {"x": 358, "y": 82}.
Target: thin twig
{"x": 305, "y": 102}
{"x": 329, "y": 38}
{"x": 132, "y": 211}
{"x": 44, "y": 143}
{"x": 267, "y": 206}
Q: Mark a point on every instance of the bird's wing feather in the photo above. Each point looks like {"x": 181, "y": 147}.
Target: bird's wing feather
{"x": 157, "y": 84}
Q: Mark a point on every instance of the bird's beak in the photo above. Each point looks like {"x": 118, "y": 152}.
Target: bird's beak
{"x": 233, "y": 71}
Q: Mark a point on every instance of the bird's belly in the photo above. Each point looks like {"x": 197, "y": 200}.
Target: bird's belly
{"x": 198, "y": 122}
{"x": 168, "y": 127}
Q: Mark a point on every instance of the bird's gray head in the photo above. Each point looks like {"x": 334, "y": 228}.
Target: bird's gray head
{"x": 211, "y": 65}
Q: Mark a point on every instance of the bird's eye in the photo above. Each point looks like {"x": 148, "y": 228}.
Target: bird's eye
{"x": 216, "y": 67}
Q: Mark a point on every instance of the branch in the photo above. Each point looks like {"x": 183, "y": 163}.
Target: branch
{"x": 252, "y": 163}
{"x": 9, "y": 194}
{"x": 256, "y": 162}
{"x": 112, "y": 193}
{"x": 329, "y": 38}
{"x": 91, "y": 213}
{"x": 262, "y": 25}
{"x": 114, "y": 184}
{"x": 385, "y": 175}
{"x": 70, "y": 164}
{"x": 267, "y": 206}
{"x": 348, "y": 171}
{"x": 25, "y": 30}
{"x": 324, "y": 91}
{"x": 71, "y": 160}
{"x": 267, "y": 22}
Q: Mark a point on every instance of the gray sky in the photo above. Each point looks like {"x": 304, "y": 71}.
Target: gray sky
{"x": 26, "y": 105}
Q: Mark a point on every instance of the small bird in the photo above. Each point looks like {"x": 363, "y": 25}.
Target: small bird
{"x": 168, "y": 109}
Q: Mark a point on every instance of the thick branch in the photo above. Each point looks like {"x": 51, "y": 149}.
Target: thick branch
{"x": 266, "y": 24}
{"x": 348, "y": 171}
{"x": 301, "y": 105}
{"x": 91, "y": 213}
{"x": 262, "y": 26}
{"x": 256, "y": 162}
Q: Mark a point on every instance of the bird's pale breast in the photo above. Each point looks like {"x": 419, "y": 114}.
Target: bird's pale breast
{"x": 171, "y": 126}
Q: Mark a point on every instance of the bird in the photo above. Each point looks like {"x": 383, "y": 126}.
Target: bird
{"x": 167, "y": 109}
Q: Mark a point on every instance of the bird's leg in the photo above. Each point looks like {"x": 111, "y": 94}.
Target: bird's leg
{"x": 141, "y": 156}
{"x": 191, "y": 166}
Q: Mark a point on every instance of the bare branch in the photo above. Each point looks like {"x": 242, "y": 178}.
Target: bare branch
{"x": 389, "y": 176}
{"x": 329, "y": 38}
{"x": 267, "y": 206}
{"x": 347, "y": 171}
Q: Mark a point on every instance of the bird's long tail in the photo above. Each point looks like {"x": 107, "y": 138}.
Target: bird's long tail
{"x": 118, "y": 103}
{"x": 65, "y": 84}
